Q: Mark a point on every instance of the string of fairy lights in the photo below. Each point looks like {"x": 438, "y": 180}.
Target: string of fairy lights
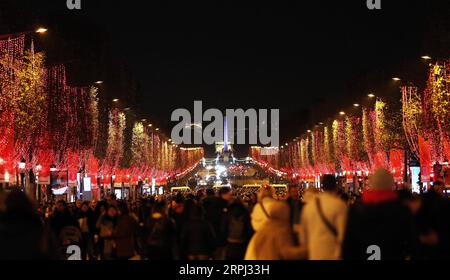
{"x": 49, "y": 124}
{"x": 374, "y": 135}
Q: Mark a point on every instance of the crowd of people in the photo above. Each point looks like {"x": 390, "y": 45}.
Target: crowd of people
{"x": 234, "y": 224}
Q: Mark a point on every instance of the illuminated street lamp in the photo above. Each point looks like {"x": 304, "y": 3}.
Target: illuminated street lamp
{"x": 99, "y": 82}
{"x": 356, "y": 105}
{"x": 52, "y": 168}
{"x": 22, "y": 165}
{"x": 115, "y": 100}
{"x": 396, "y": 79}
{"x": 371, "y": 95}
{"x": 113, "y": 178}
{"x": 341, "y": 113}
{"x": 41, "y": 30}
{"x": 426, "y": 57}
{"x": 156, "y": 129}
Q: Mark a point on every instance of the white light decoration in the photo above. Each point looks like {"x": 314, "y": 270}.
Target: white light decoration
{"x": 220, "y": 168}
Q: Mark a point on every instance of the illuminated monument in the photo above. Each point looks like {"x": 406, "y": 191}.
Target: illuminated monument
{"x": 224, "y": 149}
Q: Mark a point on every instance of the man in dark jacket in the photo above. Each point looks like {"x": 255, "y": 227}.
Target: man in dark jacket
{"x": 380, "y": 227}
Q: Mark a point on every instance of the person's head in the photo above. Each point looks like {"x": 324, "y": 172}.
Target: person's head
{"x": 111, "y": 199}
{"x": 329, "y": 183}
{"x": 279, "y": 211}
{"x": 94, "y": 203}
{"x": 438, "y": 187}
{"x": 195, "y": 212}
{"x": 159, "y": 208}
{"x": 412, "y": 201}
{"x": 266, "y": 191}
{"x": 61, "y": 205}
{"x": 293, "y": 191}
{"x": 226, "y": 194}
{"x": 17, "y": 202}
{"x": 85, "y": 207}
{"x": 112, "y": 211}
{"x": 123, "y": 208}
{"x": 310, "y": 194}
{"x": 209, "y": 192}
{"x": 237, "y": 208}
{"x": 78, "y": 203}
{"x": 381, "y": 179}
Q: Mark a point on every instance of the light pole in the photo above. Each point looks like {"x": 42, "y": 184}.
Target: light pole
{"x": 49, "y": 189}
{"x": 22, "y": 165}
{"x": 113, "y": 177}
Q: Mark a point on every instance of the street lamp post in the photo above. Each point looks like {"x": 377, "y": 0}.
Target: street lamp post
{"x": 113, "y": 177}
{"x": 22, "y": 164}
{"x": 49, "y": 189}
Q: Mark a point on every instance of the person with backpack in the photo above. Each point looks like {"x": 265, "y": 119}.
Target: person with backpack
{"x": 323, "y": 222}
{"x": 237, "y": 229}
{"x": 160, "y": 235}
{"x": 273, "y": 240}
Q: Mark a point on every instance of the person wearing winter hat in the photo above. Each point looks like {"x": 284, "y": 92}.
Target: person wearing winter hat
{"x": 380, "y": 227}
{"x": 260, "y": 211}
{"x": 273, "y": 240}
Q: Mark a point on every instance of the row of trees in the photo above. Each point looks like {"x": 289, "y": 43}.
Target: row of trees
{"x": 376, "y": 134}
{"x": 47, "y": 123}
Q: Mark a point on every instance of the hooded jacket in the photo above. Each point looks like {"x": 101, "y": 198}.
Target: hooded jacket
{"x": 273, "y": 240}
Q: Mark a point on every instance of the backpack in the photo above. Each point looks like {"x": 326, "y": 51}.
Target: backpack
{"x": 236, "y": 227}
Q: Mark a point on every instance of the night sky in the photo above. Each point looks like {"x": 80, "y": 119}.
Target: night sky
{"x": 310, "y": 60}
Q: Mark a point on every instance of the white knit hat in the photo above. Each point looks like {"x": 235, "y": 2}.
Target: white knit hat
{"x": 381, "y": 179}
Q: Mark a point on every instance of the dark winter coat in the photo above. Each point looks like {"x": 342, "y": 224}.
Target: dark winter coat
{"x": 387, "y": 224}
